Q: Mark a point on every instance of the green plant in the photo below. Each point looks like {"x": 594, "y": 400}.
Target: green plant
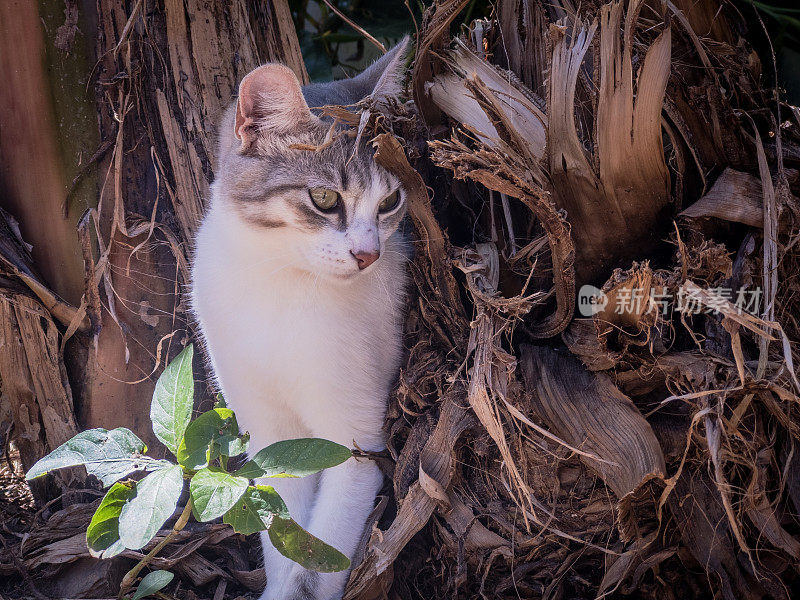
{"x": 132, "y": 512}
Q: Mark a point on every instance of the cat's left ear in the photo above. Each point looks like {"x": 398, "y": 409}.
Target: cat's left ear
{"x": 270, "y": 103}
{"x": 387, "y": 74}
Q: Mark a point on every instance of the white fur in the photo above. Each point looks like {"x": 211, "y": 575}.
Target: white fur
{"x": 304, "y": 345}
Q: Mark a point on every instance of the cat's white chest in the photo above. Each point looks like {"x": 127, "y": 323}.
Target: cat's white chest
{"x": 293, "y": 352}
{"x": 291, "y": 347}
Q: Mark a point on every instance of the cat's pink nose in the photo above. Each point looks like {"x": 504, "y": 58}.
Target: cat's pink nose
{"x": 365, "y": 259}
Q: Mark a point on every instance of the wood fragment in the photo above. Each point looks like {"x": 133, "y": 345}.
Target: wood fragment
{"x": 735, "y": 196}
{"x": 33, "y": 375}
{"x": 588, "y": 411}
{"x": 436, "y": 460}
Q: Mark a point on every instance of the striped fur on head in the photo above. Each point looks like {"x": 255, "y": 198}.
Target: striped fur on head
{"x": 267, "y": 170}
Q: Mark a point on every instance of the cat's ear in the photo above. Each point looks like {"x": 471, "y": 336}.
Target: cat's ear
{"x": 270, "y": 102}
{"x": 384, "y": 79}
{"x": 392, "y": 72}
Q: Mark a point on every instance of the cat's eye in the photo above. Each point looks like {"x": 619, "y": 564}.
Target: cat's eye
{"x": 390, "y": 202}
{"x": 324, "y": 199}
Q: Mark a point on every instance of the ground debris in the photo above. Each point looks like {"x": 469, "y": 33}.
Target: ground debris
{"x": 45, "y": 553}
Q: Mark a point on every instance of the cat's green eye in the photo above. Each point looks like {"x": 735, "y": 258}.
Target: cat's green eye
{"x": 324, "y": 199}
{"x": 390, "y": 202}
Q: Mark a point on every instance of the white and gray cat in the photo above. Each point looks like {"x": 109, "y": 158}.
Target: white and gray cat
{"x": 298, "y": 285}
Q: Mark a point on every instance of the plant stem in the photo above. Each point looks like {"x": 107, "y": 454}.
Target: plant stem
{"x": 131, "y": 575}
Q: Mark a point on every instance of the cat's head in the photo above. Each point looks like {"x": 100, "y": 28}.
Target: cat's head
{"x": 329, "y": 211}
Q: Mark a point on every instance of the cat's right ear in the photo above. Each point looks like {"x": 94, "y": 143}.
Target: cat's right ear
{"x": 270, "y": 103}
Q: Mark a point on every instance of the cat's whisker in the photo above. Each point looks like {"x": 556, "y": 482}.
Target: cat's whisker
{"x": 278, "y": 269}
{"x": 316, "y": 286}
{"x": 385, "y": 288}
{"x": 245, "y": 290}
{"x": 269, "y": 258}
{"x": 402, "y": 255}
{"x": 424, "y": 241}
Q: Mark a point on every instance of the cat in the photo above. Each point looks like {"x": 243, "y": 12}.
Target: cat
{"x": 298, "y": 284}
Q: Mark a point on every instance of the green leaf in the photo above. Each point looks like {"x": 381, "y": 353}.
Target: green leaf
{"x": 214, "y": 492}
{"x": 297, "y": 544}
{"x": 108, "y": 455}
{"x": 152, "y": 583}
{"x": 229, "y": 444}
{"x": 217, "y": 426}
{"x": 255, "y": 509}
{"x": 155, "y": 500}
{"x": 102, "y": 535}
{"x": 173, "y": 399}
{"x": 295, "y": 458}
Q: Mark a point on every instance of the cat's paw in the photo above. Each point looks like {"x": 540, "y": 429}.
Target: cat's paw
{"x": 293, "y": 588}
{"x": 302, "y": 585}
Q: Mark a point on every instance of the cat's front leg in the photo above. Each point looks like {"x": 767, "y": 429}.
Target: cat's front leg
{"x": 298, "y": 494}
{"x": 345, "y": 499}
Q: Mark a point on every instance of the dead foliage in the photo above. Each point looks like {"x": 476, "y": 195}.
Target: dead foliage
{"x": 648, "y": 451}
